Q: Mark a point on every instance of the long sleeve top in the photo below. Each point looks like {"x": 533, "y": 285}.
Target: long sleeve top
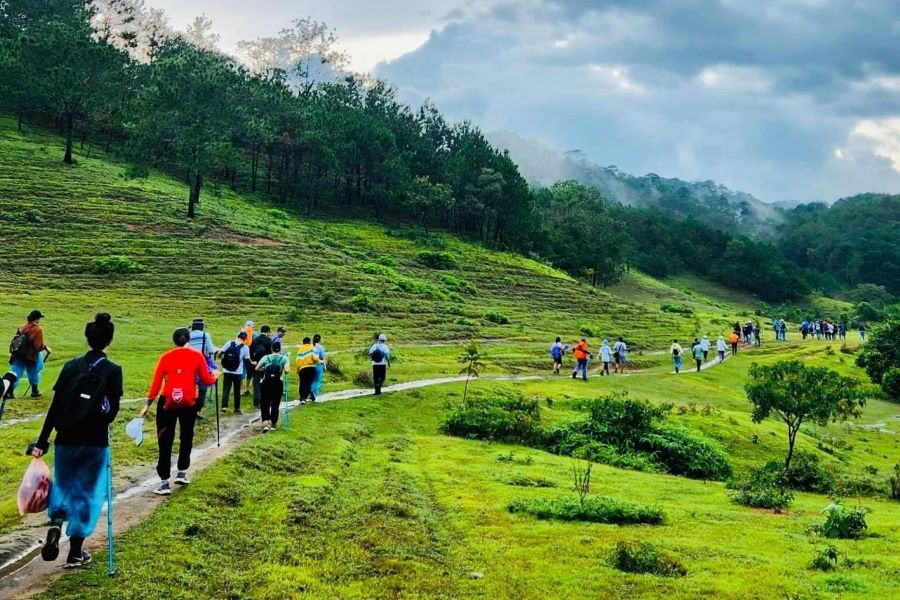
{"x": 177, "y": 374}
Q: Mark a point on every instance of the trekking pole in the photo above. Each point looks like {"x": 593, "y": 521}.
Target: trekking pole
{"x": 2, "y": 402}
{"x": 111, "y": 563}
{"x": 218, "y": 435}
{"x": 287, "y": 398}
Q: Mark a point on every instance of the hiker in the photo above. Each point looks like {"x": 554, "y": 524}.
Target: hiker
{"x": 557, "y": 351}
{"x": 735, "y": 338}
{"x": 581, "y": 354}
{"x": 280, "y": 333}
{"x": 818, "y": 330}
{"x": 320, "y": 366}
{"x": 306, "y": 362}
{"x": 176, "y": 376}
{"x": 85, "y": 401}
{"x": 235, "y": 356}
{"x": 862, "y": 332}
{"x": 271, "y": 369}
{"x": 757, "y": 336}
{"x": 842, "y": 331}
{"x": 698, "y": 356}
{"x": 26, "y": 352}
{"x": 605, "y": 356}
{"x": 381, "y": 358}
{"x": 248, "y": 328}
{"x": 776, "y": 326}
{"x": 620, "y": 355}
{"x": 804, "y": 328}
{"x": 705, "y": 346}
{"x": 783, "y": 330}
{"x": 748, "y": 331}
{"x": 202, "y": 342}
{"x": 721, "y": 348}
{"x": 676, "y": 351}
{"x": 259, "y": 348}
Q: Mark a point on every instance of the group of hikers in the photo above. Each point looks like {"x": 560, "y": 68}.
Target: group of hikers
{"x": 616, "y": 354}
{"x": 89, "y": 389}
{"x": 812, "y": 329}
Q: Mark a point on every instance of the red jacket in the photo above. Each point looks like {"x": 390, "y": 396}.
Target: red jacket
{"x": 181, "y": 368}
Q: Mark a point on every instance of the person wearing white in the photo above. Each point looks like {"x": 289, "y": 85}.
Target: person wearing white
{"x": 705, "y": 345}
{"x": 605, "y": 357}
{"x": 381, "y": 358}
{"x": 620, "y": 353}
{"x": 721, "y": 348}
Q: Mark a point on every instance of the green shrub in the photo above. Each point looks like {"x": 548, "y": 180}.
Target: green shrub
{"x": 363, "y": 379}
{"x": 458, "y": 284}
{"x": 420, "y": 288}
{"x": 805, "y": 473}
{"x": 762, "y": 489}
{"x": 687, "y": 453}
{"x": 890, "y": 383}
{"x": 882, "y": 352}
{"x": 677, "y": 309}
{"x": 467, "y": 322}
{"x": 631, "y": 557}
{"x": 276, "y": 214}
{"x": 620, "y": 421}
{"x": 610, "y": 455}
{"x": 263, "y": 291}
{"x": 594, "y": 509}
{"x": 894, "y": 483}
{"x": 508, "y": 417}
{"x": 363, "y": 299}
{"x": 387, "y": 261}
{"x": 586, "y": 330}
{"x": 844, "y": 523}
{"x": 496, "y": 318}
{"x": 825, "y": 559}
{"x": 115, "y": 265}
{"x": 437, "y": 260}
{"x": 377, "y": 269}
{"x": 527, "y": 481}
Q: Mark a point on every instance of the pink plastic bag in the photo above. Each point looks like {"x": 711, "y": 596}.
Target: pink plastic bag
{"x": 34, "y": 492}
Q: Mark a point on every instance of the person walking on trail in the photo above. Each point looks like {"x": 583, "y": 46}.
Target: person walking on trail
{"x": 202, "y": 342}
{"x": 757, "y": 336}
{"x": 582, "y": 353}
{"x": 842, "y": 331}
{"x": 248, "y": 328}
{"x": 804, "y": 328}
{"x": 699, "y": 357}
{"x": 705, "y": 346}
{"x": 280, "y": 333}
{"x": 27, "y": 353}
{"x": 259, "y": 348}
{"x": 605, "y": 357}
{"x": 620, "y": 354}
{"x": 676, "y": 351}
{"x": 776, "y": 326}
{"x": 305, "y": 363}
{"x": 271, "y": 369}
{"x": 862, "y": 332}
{"x": 175, "y": 383}
{"x": 783, "y": 330}
{"x": 85, "y": 402}
{"x": 319, "y": 382}
{"x": 380, "y": 355}
{"x": 735, "y": 339}
{"x": 721, "y": 348}
{"x": 557, "y": 351}
{"x": 235, "y": 355}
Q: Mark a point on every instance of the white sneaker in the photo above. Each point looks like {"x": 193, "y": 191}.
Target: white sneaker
{"x": 265, "y": 426}
{"x": 181, "y": 478}
{"x": 163, "y": 489}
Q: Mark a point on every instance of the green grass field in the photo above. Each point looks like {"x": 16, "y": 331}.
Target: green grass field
{"x": 366, "y": 498}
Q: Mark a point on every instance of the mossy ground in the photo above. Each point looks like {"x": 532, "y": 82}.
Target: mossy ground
{"x": 364, "y": 498}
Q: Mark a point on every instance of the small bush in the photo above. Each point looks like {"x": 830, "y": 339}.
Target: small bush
{"x": 594, "y": 509}
{"x": 507, "y": 417}
{"x": 687, "y": 453}
{"x": 630, "y": 557}
{"x": 420, "y": 288}
{"x": 805, "y": 473}
{"x": 458, "y": 284}
{"x": 363, "y": 299}
{"x": 333, "y": 368}
{"x": 437, "y": 260}
{"x": 587, "y": 330}
{"x": 512, "y": 457}
{"x": 890, "y": 383}
{"x": 825, "y": 559}
{"x": 467, "y": 322}
{"x": 378, "y": 269}
{"x": 533, "y": 482}
{"x": 677, "y": 309}
{"x": 363, "y": 379}
{"x": 263, "y": 291}
{"x": 844, "y": 523}
{"x": 496, "y": 318}
{"x": 327, "y": 298}
{"x": 894, "y": 483}
{"x": 115, "y": 265}
{"x": 276, "y": 214}
{"x": 762, "y": 489}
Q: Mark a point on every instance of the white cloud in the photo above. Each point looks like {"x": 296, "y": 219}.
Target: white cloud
{"x": 885, "y": 137}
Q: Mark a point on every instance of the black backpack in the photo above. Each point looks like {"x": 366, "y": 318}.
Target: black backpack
{"x": 260, "y": 349}
{"x": 85, "y": 397}
{"x": 676, "y": 352}
{"x": 377, "y": 355}
{"x": 19, "y": 345}
{"x": 271, "y": 374}
{"x": 231, "y": 360}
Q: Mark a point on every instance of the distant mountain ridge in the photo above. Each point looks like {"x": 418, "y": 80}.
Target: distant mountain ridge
{"x": 707, "y": 201}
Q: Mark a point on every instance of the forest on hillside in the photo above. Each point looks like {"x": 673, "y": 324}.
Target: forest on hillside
{"x": 288, "y": 123}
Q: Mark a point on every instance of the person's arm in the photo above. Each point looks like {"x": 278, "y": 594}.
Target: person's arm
{"x": 155, "y": 386}
{"x": 38, "y": 340}
{"x": 206, "y": 376}
{"x": 114, "y": 393}
{"x": 43, "y": 441}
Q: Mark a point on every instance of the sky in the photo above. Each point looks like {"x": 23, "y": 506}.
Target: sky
{"x": 790, "y": 100}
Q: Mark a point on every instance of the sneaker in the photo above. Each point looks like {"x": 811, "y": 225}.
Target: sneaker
{"x": 181, "y": 478}
{"x": 273, "y": 426}
{"x": 51, "y": 546}
{"x": 265, "y": 426}
{"x": 78, "y": 561}
{"x": 224, "y": 409}
{"x": 163, "y": 489}
{"x": 35, "y": 394}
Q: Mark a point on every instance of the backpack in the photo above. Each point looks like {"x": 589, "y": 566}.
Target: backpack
{"x": 19, "y": 345}
{"x": 676, "y": 352}
{"x": 377, "y": 355}
{"x": 271, "y": 374}
{"x": 259, "y": 349}
{"x": 85, "y": 396}
{"x": 556, "y": 353}
{"x": 231, "y": 360}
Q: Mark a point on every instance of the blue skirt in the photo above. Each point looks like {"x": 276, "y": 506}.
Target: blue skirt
{"x": 80, "y": 479}
{"x": 319, "y": 380}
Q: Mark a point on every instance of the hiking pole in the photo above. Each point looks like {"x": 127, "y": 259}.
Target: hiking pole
{"x": 287, "y": 398}
{"x": 111, "y": 563}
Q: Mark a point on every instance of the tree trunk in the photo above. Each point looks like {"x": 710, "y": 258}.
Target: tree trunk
{"x": 254, "y": 166}
{"x": 792, "y": 437}
{"x": 70, "y": 125}
{"x": 21, "y": 118}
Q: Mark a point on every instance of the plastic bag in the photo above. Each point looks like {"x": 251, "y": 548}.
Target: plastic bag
{"x": 135, "y": 430}
{"x": 34, "y": 492}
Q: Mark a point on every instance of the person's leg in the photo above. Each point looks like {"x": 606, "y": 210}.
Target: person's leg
{"x": 584, "y": 370}
{"x": 201, "y": 398}
{"x": 165, "y": 436}
{"x": 33, "y": 369}
{"x": 275, "y": 403}
{"x": 226, "y": 388}
{"x": 186, "y": 420}
{"x": 379, "y": 373}
{"x": 256, "y": 391}
{"x": 236, "y": 384}
{"x": 264, "y": 399}
{"x": 17, "y": 366}
{"x": 699, "y": 364}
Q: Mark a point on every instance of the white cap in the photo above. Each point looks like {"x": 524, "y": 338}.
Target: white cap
{"x": 382, "y": 338}
{"x": 248, "y": 324}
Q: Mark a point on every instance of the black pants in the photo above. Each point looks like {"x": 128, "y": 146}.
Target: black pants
{"x": 699, "y": 364}
{"x": 201, "y": 397}
{"x": 605, "y": 370}
{"x": 165, "y": 436}
{"x": 379, "y": 374}
{"x": 307, "y": 377}
{"x": 270, "y": 400}
{"x": 733, "y": 349}
{"x": 705, "y": 355}
{"x": 232, "y": 381}
{"x": 257, "y": 392}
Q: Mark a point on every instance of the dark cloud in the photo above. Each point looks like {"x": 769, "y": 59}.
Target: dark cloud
{"x": 764, "y": 96}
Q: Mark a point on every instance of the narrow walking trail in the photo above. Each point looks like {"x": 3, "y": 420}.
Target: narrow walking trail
{"x": 23, "y": 574}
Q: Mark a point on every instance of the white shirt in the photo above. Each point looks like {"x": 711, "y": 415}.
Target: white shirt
{"x": 720, "y": 346}
{"x": 704, "y": 344}
{"x": 245, "y": 355}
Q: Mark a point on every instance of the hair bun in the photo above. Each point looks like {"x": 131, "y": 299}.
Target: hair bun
{"x": 102, "y": 318}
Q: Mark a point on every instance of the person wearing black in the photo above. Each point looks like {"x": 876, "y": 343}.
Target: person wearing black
{"x": 85, "y": 402}
{"x": 259, "y": 349}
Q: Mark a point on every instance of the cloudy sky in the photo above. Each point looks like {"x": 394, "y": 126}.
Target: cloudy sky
{"x": 786, "y": 99}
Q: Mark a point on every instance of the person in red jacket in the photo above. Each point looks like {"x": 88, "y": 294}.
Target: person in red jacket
{"x": 176, "y": 376}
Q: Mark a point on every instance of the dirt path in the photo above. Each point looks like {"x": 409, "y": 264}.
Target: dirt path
{"x": 23, "y": 574}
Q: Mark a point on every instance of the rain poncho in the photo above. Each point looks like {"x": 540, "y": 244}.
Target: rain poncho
{"x": 320, "y": 370}
{"x": 79, "y": 487}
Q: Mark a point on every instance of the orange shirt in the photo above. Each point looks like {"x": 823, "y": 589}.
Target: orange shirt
{"x": 581, "y": 351}
{"x": 249, "y": 331}
{"x": 734, "y": 338}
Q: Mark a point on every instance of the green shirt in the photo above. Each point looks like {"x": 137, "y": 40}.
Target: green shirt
{"x": 279, "y": 359}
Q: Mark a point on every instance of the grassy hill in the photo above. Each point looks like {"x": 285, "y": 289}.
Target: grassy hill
{"x": 366, "y": 498}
